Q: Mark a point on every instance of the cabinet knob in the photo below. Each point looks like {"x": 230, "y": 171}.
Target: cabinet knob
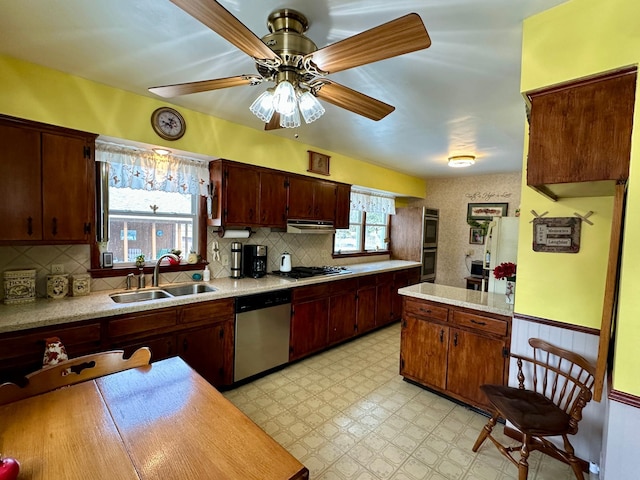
{"x": 29, "y": 226}
{"x": 441, "y": 336}
{"x": 54, "y": 226}
{"x": 185, "y": 345}
{"x": 455, "y": 340}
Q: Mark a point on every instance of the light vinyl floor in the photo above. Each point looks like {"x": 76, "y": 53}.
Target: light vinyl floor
{"x": 347, "y": 414}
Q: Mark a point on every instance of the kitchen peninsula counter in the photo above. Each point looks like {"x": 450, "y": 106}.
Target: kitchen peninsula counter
{"x": 49, "y": 312}
{"x": 460, "y": 297}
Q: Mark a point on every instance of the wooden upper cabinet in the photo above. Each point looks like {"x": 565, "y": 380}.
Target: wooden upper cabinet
{"x": 68, "y": 188}
{"x": 300, "y": 201}
{"x": 246, "y": 195}
{"x": 47, "y": 179}
{"x": 580, "y": 135}
{"x": 311, "y": 199}
{"x": 240, "y": 190}
{"x": 273, "y": 199}
{"x": 20, "y": 183}
{"x": 343, "y": 205}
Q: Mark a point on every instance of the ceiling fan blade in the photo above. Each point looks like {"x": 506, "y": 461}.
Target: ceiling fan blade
{"x": 397, "y": 37}
{"x": 355, "y": 102}
{"x": 221, "y": 21}
{"x": 274, "y": 123}
{"x": 205, "y": 85}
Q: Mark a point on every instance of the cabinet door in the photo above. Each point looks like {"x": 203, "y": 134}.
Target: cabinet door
{"x": 20, "y": 177}
{"x": 242, "y": 186}
{"x": 342, "y": 316}
{"x": 473, "y": 361}
{"x": 366, "y": 308}
{"x": 400, "y": 280}
{"x": 67, "y": 188}
{"x": 273, "y": 199}
{"x": 209, "y": 351}
{"x": 384, "y": 299}
{"x": 309, "y": 325}
{"x": 424, "y": 351}
{"x": 582, "y": 132}
{"x": 161, "y": 347}
{"x": 300, "y": 198}
{"x": 324, "y": 202}
{"x": 343, "y": 205}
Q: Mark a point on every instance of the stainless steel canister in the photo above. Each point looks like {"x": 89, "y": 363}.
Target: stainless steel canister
{"x": 236, "y": 260}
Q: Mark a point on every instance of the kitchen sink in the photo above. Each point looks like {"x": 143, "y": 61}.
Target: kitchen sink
{"x": 165, "y": 292}
{"x": 131, "y": 297}
{"x": 189, "y": 289}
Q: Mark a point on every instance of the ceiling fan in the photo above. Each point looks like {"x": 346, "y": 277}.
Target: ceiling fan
{"x": 298, "y": 68}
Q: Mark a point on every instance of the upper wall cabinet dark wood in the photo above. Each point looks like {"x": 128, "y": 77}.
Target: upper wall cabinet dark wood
{"x": 580, "y": 135}
{"x": 47, "y": 179}
{"x": 247, "y": 195}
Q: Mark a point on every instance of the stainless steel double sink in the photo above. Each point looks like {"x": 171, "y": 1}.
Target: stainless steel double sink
{"x": 164, "y": 292}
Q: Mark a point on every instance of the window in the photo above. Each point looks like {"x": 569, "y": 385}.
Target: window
{"x": 367, "y": 233}
{"x": 150, "y": 223}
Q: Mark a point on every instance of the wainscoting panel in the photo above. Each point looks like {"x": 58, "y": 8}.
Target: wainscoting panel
{"x": 588, "y": 441}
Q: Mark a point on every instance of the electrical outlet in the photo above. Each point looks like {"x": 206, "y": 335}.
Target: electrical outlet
{"x": 57, "y": 268}
{"x": 225, "y": 260}
{"x": 470, "y": 253}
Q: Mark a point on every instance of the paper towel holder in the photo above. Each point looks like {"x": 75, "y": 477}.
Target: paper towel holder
{"x": 234, "y": 233}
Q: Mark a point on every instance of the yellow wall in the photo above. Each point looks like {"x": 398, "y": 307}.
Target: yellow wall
{"x": 45, "y": 95}
{"x": 576, "y": 39}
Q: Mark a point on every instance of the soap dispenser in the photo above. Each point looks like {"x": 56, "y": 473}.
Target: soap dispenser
{"x": 206, "y": 274}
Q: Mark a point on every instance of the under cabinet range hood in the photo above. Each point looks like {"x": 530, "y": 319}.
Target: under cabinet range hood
{"x": 310, "y": 226}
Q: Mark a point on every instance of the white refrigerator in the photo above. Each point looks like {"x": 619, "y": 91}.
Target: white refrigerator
{"x": 501, "y": 245}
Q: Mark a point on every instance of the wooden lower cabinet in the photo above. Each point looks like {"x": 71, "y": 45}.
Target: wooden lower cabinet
{"x": 366, "y": 307}
{"x": 309, "y": 327}
{"x": 342, "y": 310}
{"x": 454, "y": 350}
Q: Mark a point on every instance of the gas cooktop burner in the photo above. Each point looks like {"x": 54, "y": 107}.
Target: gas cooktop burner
{"x": 306, "y": 272}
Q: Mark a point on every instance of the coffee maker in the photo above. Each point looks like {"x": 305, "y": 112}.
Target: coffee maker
{"x": 254, "y": 261}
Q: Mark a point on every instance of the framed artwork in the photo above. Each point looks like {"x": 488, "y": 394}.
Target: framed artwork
{"x": 486, "y": 211}
{"x": 476, "y": 236}
{"x": 318, "y": 163}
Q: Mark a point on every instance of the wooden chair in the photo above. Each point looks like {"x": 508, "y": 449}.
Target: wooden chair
{"x": 558, "y": 386}
{"x": 72, "y": 371}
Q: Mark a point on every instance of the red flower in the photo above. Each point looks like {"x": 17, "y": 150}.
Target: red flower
{"x": 505, "y": 270}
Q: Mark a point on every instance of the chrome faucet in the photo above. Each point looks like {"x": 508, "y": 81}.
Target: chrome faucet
{"x": 154, "y": 279}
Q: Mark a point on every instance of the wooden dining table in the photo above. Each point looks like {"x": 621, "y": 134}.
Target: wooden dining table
{"x": 162, "y": 421}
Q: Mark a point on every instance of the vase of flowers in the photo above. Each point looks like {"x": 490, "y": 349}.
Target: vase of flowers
{"x": 507, "y": 271}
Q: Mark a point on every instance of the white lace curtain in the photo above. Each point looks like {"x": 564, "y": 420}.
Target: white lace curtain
{"x": 372, "y": 202}
{"x": 139, "y": 169}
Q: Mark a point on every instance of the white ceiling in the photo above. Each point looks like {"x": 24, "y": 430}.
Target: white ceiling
{"x": 459, "y": 96}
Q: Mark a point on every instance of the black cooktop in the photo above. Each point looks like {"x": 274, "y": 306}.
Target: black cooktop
{"x": 306, "y": 272}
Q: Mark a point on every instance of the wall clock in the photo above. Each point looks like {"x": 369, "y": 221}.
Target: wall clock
{"x": 168, "y": 123}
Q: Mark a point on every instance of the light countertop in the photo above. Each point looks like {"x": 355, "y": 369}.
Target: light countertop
{"x": 460, "y": 297}
{"x": 46, "y": 312}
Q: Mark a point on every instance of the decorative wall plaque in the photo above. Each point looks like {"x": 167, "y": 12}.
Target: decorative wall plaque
{"x": 557, "y": 235}
{"x": 318, "y": 163}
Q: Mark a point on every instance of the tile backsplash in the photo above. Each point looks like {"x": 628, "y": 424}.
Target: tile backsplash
{"x": 308, "y": 250}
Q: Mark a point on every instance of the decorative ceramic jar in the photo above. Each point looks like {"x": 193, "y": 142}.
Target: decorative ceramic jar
{"x": 57, "y": 285}
{"x": 80, "y": 285}
{"x": 19, "y": 286}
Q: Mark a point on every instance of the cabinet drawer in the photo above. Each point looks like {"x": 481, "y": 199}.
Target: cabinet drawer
{"x": 342, "y": 286}
{"x": 310, "y": 293}
{"x": 206, "y": 311}
{"x": 383, "y": 278}
{"x": 478, "y": 322}
{"x": 426, "y": 309}
{"x": 140, "y": 324}
{"x": 368, "y": 281}
{"x": 32, "y": 342}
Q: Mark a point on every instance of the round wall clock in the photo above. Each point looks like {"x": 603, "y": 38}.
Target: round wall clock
{"x": 168, "y": 123}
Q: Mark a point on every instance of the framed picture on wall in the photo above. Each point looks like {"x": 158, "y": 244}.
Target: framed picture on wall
{"x": 318, "y": 163}
{"x": 475, "y": 236}
{"x": 486, "y": 211}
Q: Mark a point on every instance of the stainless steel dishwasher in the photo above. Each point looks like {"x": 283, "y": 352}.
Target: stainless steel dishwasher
{"x": 262, "y": 333}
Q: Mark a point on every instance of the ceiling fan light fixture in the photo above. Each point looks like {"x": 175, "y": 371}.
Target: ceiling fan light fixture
{"x": 284, "y": 98}
{"x": 263, "y": 106}
{"x": 310, "y": 107}
{"x": 291, "y": 120}
{"x": 461, "y": 161}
